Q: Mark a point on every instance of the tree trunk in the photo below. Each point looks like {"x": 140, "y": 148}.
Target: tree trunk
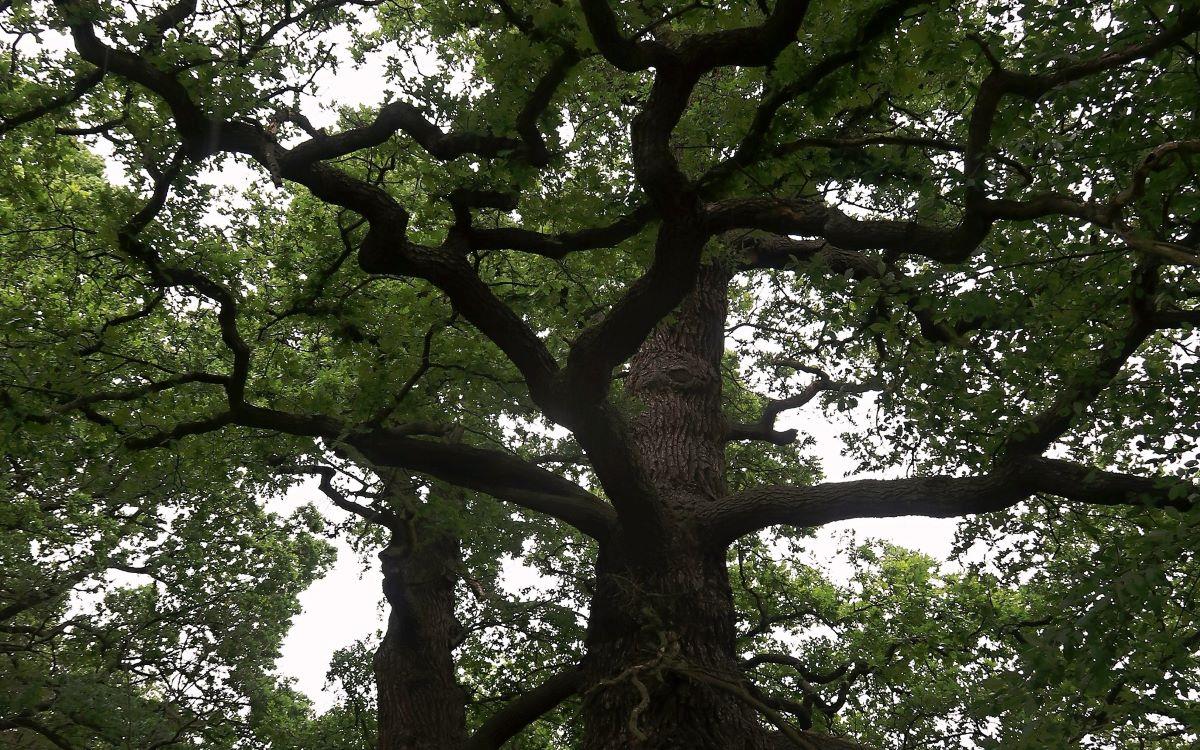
{"x": 421, "y": 705}
{"x": 661, "y": 666}
{"x": 661, "y": 669}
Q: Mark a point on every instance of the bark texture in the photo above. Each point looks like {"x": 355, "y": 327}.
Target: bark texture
{"x": 421, "y": 705}
{"x": 662, "y": 670}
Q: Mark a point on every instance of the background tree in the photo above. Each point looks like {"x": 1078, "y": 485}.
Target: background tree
{"x": 565, "y": 294}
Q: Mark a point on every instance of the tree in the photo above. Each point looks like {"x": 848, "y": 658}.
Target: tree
{"x": 179, "y": 653}
{"x": 489, "y": 297}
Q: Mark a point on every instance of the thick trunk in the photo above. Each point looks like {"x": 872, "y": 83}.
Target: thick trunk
{"x": 421, "y": 705}
{"x": 661, "y": 666}
{"x": 662, "y": 671}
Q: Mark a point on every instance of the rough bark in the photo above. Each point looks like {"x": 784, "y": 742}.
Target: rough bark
{"x": 661, "y": 666}
{"x": 661, "y": 669}
{"x": 421, "y": 705}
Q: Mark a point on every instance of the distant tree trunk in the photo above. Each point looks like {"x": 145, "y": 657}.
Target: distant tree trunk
{"x": 662, "y": 668}
{"x": 421, "y": 705}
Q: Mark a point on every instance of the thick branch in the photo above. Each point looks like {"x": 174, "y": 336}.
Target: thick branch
{"x": 936, "y": 496}
{"x": 523, "y": 710}
{"x": 751, "y": 46}
{"x": 560, "y": 245}
{"x": 623, "y": 52}
{"x": 32, "y": 725}
{"x": 672, "y": 274}
{"x": 494, "y": 472}
{"x": 403, "y": 117}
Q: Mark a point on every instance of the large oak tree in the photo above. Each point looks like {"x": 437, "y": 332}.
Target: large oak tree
{"x": 550, "y": 298}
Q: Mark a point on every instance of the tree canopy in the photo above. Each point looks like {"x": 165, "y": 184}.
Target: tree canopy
{"x": 546, "y": 294}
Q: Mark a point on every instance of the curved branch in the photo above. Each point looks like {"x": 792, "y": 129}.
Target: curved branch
{"x": 82, "y": 85}
{"x": 764, "y": 427}
{"x": 780, "y": 252}
{"x": 1039, "y": 431}
{"x": 749, "y": 46}
{"x": 625, "y": 53}
{"x": 1033, "y": 86}
{"x": 882, "y": 22}
{"x": 956, "y": 244}
{"x": 379, "y": 516}
{"x": 491, "y": 471}
{"x": 446, "y": 146}
{"x": 523, "y": 710}
{"x": 937, "y": 496}
{"x": 32, "y": 725}
{"x": 558, "y": 246}
{"x": 402, "y": 117}
{"x": 385, "y": 248}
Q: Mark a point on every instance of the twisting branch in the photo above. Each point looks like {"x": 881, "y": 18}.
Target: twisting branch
{"x": 764, "y": 250}
{"x": 679, "y": 243}
{"x": 1033, "y": 86}
{"x": 957, "y": 243}
{"x": 385, "y": 248}
{"x": 627, "y": 54}
{"x": 168, "y": 275}
{"x": 523, "y": 710}
{"x": 491, "y": 471}
{"x": 82, "y": 85}
{"x": 402, "y": 117}
{"x": 560, "y": 245}
{"x": 882, "y": 22}
{"x": 764, "y": 427}
{"x": 494, "y": 472}
{"x": 1039, "y": 431}
{"x": 379, "y": 516}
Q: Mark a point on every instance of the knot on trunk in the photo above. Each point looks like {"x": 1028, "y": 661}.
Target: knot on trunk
{"x": 679, "y": 372}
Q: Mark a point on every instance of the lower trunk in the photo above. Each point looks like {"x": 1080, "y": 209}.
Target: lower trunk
{"x": 421, "y": 705}
{"x": 661, "y": 667}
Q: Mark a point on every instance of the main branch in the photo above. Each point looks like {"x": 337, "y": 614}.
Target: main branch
{"x": 939, "y": 496}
